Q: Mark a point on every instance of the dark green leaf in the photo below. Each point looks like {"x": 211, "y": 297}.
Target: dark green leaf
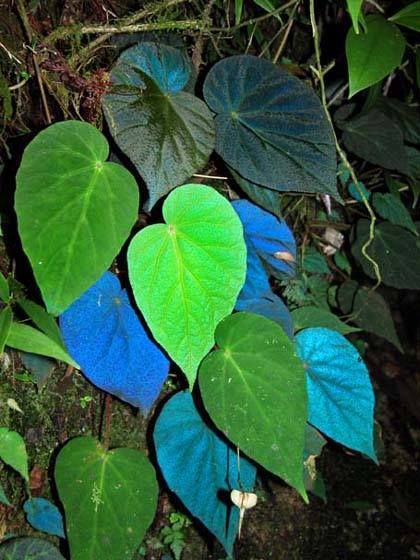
{"x": 254, "y": 388}
{"x": 28, "y": 548}
{"x": 373, "y": 55}
{"x": 109, "y": 499}
{"x": 396, "y": 251}
{"x": 404, "y": 115}
{"x": 271, "y": 128}
{"x": 263, "y": 196}
{"x": 311, "y": 316}
{"x": 167, "y": 132}
{"x": 409, "y": 16}
{"x": 74, "y": 210}
{"x": 43, "y": 320}
{"x": 4, "y": 288}
{"x": 6, "y": 317}
{"x": 369, "y": 311}
{"x": 314, "y": 262}
{"x": 390, "y": 208}
{"x": 376, "y": 138}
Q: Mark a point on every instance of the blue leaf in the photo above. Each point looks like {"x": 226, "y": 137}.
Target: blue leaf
{"x": 270, "y": 245}
{"x": 44, "y": 516}
{"x": 270, "y": 306}
{"x": 200, "y": 467}
{"x": 270, "y": 127}
{"x": 111, "y": 345}
{"x": 340, "y": 394}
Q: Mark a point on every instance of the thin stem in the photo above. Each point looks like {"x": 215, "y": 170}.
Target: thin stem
{"x": 257, "y": 19}
{"x": 340, "y": 151}
{"x": 286, "y": 34}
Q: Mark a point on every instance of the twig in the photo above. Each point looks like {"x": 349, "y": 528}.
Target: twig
{"x": 10, "y": 54}
{"x": 340, "y": 151}
{"x": 290, "y": 23}
{"x": 28, "y": 32}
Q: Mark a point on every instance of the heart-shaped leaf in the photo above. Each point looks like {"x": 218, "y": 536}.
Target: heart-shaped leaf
{"x": 13, "y": 451}
{"x": 271, "y": 248}
{"x": 167, "y": 132}
{"x": 373, "y": 55}
{"x": 28, "y": 548}
{"x": 200, "y": 467}
{"x": 311, "y": 316}
{"x": 186, "y": 274}
{"x": 340, "y": 394}
{"x": 270, "y": 306}
{"x": 104, "y": 334}
{"x": 254, "y": 389}
{"x": 44, "y": 516}
{"x": 270, "y": 127}
{"x": 74, "y": 210}
{"x": 396, "y": 250}
{"x": 109, "y": 498}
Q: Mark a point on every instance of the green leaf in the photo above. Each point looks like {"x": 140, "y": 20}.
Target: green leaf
{"x": 13, "y": 451}
{"x": 3, "y": 498}
{"x": 354, "y": 7}
{"x": 239, "y": 4}
{"x": 405, "y": 116}
{"x": 311, "y": 316}
{"x": 74, "y": 211}
{"x": 408, "y": 16}
{"x": 369, "y": 309}
{"x": 373, "y": 136}
{"x": 149, "y": 102}
{"x": 396, "y": 251}
{"x": 254, "y": 389}
{"x": 109, "y": 499}
{"x": 4, "y": 288}
{"x": 186, "y": 274}
{"x": 29, "y": 548}
{"x": 43, "y": 320}
{"x": 390, "y": 208}
{"x": 314, "y": 262}
{"x": 28, "y": 339}
{"x": 6, "y": 317}
{"x": 269, "y": 199}
{"x": 373, "y": 55}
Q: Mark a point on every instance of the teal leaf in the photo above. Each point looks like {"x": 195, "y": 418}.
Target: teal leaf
{"x": 396, "y": 250}
{"x": 186, "y": 274}
{"x": 340, "y": 394}
{"x": 109, "y": 498}
{"x": 373, "y": 55}
{"x": 44, "y": 516}
{"x": 355, "y": 193}
{"x": 105, "y": 336}
{"x": 390, "y": 208}
{"x": 150, "y": 102}
{"x": 369, "y": 310}
{"x": 185, "y": 446}
{"x": 271, "y": 128}
{"x": 13, "y": 451}
{"x": 253, "y": 387}
{"x": 29, "y": 548}
{"x": 311, "y": 316}
{"x": 74, "y": 210}
{"x": 40, "y": 366}
{"x": 409, "y": 16}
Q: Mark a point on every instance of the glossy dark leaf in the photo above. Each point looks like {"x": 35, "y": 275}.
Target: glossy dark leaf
{"x": 269, "y": 199}
{"x": 112, "y": 347}
{"x": 390, "y": 208}
{"x": 271, "y": 128}
{"x": 405, "y": 116}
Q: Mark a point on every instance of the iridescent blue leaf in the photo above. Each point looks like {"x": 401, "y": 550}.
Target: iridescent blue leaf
{"x": 200, "y": 467}
{"x": 270, "y": 306}
{"x": 111, "y": 345}
{"x": 44, "y": 516}
{"x": 271, "y": 248}
{"x": 270, "y": 127}
{"x": 340, "y": 394}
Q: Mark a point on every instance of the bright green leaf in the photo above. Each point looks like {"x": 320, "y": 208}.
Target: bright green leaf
{"x": 390, "y": 208}
{"x": 254, "y": 389}
{"x": 6, "y": 317}
{"x": 369, "y": 311}
{"x": 373, "y": 55}
{"x": 311, "y": 316}
{"x": 409, "y": 16}
{"x": 43, "y": 320}
{"x": 13, "y": 451}
{"x": 239, "y": 4}
{"x": 396, "y": 250}
{"x": 109, "y": 499}
{"x": 4, "y": 288}
{"x": 74, "y": 210}
{"x": 353, "y": 7}
{"x": 28, "y": 339}
{"x": 186, "y": 274}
